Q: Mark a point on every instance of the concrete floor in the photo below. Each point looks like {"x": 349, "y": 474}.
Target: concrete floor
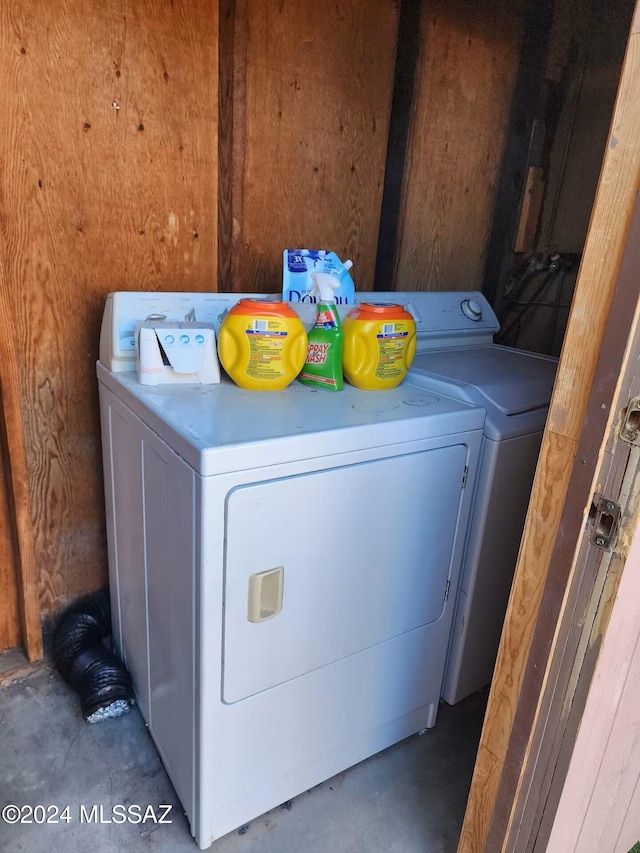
{"x": 408, "y": 799}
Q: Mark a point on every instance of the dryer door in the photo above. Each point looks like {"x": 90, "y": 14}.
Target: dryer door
{"x": 327, "y": 564}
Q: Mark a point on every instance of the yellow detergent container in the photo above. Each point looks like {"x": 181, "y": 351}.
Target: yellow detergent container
{"x": 379, "y": 345}
{"x": 262, "y": 344}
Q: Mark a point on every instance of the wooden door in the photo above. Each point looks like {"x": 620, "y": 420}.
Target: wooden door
{"x": 600, "y": 803}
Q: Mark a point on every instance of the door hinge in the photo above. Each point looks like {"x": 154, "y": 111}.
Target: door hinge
{"x": 446, "y": 590}
{"x": 465, "y": 475}
{"x": 630, "y": 426}
{"x": 605, "y": 519}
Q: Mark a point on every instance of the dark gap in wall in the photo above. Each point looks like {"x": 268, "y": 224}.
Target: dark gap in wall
{"x": 562, "y": 102}
{"x": 226, "y": 29}
{"x": 575, "y": 107}
{"x": 232, "y": 97}
{"x": 535, "y": 41}
{"x": 408, "y": 50}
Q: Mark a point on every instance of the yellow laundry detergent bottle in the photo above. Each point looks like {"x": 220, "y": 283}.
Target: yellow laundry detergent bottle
{"x": 262, "y": 344}
{"x": 379, "y": 345}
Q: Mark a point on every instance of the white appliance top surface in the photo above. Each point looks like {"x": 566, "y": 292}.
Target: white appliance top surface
{"x": 221, "y": 428}
{"x": 510, "y": 380}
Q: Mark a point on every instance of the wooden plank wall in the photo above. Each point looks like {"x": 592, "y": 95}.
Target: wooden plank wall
{"x": 313, "y": 88}
{"x": 10, "y": 634}
{"x": 487, "y": 815}
{"x": 462, "y": 103}
{"x": 110, "y": 172}
{"x": 108, "y": 126}
{"x": 312, "y": 85}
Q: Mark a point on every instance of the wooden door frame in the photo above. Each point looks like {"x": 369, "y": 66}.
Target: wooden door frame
{"x": 600, "y": 803}
{"x": 592, "y": 577}
{"x": 562, "y": 490}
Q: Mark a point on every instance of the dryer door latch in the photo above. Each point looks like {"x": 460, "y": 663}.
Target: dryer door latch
{"x": 605, "y": 518}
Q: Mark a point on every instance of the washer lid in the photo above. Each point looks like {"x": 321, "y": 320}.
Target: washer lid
{"x": 512, "y": 380}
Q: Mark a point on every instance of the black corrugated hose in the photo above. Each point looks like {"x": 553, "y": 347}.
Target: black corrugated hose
{"x": 97, "y": 675}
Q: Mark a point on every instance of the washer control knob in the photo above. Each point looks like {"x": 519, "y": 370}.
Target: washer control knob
{"x": 472, "y": 309}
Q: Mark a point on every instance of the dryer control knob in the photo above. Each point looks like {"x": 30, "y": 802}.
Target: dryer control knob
{"x": 472, "y": 309}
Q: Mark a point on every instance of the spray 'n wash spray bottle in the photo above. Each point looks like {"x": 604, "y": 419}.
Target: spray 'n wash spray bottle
{"x": 323, "y": 366}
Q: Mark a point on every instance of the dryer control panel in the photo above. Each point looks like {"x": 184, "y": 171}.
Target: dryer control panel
{"x": 444, "y": 318}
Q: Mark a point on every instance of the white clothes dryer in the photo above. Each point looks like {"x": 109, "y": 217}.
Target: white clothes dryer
{"x": 282, "y": 567}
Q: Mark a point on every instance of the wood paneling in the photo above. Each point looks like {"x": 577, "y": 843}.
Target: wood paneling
{"x": 10, "y": 634}
{"x": 462, "y": 102}
{"x": 530, "y": 212}
{"x": 619, "y": 182}
{"x": 22, "y": 567}
{"x": 309, "y": 151}
{"x": 108, "y": 127}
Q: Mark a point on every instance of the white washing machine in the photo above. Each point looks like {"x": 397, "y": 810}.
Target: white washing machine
{"x": 456, "y": 356}
{"x": 282, "y": 567}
